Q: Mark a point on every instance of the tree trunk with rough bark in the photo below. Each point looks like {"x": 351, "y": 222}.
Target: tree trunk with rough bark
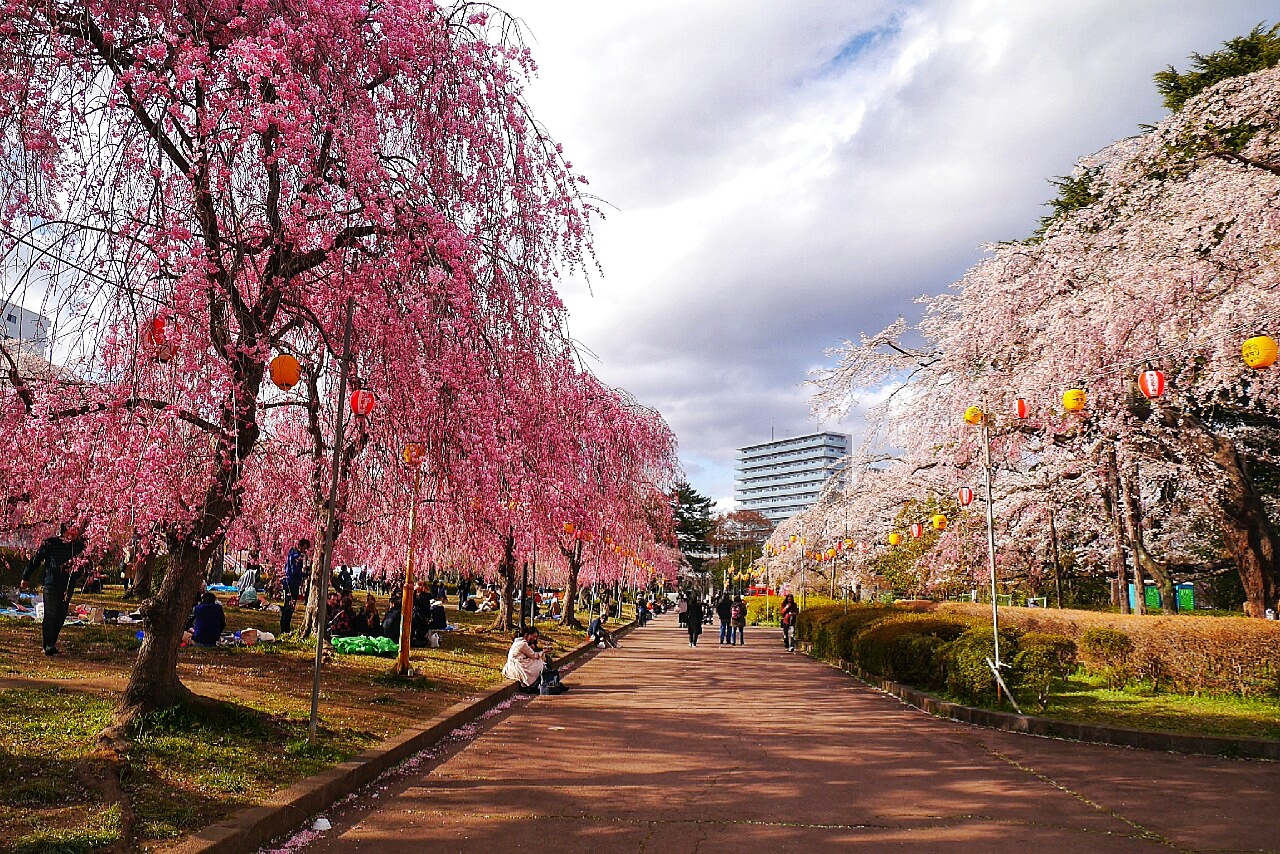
{"x": 153, "y": 682}
{"x": 1143, "y": 559}
{"x": 1247, "y": 532}
{"x": 1111, "y": 504}
{"x": 574, "y": 558}
{"x": 507, "y": 581}
{"x": 1056, "y": 555}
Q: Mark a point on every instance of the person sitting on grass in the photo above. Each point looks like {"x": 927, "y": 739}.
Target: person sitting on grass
{"x": 342, "y": 622}
{"x": 367, "y": 622}
{"x": 525, "y": 662}
{"x": 248, "y": 586}
{"x": 207, "y": 621}
{"x": 437, "y": 621}
{"x": 391, "y": 622}
{"x": 597, "y": 632}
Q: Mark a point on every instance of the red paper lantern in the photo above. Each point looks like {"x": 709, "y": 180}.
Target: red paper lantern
{"x": 160, "y": 336}
{"x": 568, "y": 528}
{"x": 917, "y": 529}
{"x": 1151, "y": 383}
{"x": 966, "y": 496}
{"x": 1022, "y": 408}
{"x": 362, "y": 402}
{"x": 414, "y": 453}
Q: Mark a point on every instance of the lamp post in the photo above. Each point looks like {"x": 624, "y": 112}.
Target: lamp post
{"x": 991, "y": 535}
{"x": 978, "y": 415}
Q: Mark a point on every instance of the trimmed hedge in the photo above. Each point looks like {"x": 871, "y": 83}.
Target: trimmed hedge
{"x": 919, "y": 645}
{"x": 1185, "y": 654}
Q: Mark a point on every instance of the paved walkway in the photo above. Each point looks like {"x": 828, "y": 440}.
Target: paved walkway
{"x": 662, "y": 748}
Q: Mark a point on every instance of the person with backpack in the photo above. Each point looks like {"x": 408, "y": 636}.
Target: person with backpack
{"x": 738, "y": 616}
{"x": 789, "y": 612}
{"x": 724, "y": 610}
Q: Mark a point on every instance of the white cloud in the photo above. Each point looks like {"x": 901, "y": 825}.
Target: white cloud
{"x": 789, "y": 174}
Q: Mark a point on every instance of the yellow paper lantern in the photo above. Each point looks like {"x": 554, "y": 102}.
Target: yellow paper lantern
{"x": 974, "y": 415}
{"x": 1259, "y": 351}
{"x": 1074, "y": 399}
{"x": 895, "y": 539}
{"x": 285, "y": 371}
{"x": 939, "y": 522}
{"x": 414, "y": 453}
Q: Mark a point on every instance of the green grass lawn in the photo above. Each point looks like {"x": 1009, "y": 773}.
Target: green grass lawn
{"x": 1089, "y": 701}
{"x": 187, "y": 768}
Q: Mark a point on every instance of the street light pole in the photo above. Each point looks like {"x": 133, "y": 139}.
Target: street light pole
{"x": 991, "y": 535}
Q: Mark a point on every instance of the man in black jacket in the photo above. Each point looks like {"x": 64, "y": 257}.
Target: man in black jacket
{"x": 57, "y": 555}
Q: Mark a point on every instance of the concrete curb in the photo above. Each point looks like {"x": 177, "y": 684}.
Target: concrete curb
{"x": 1170, "y": 742}
{"x": 286, "y": 811}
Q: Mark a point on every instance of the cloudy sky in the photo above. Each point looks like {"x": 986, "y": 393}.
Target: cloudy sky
{"x": 782, "y": 174}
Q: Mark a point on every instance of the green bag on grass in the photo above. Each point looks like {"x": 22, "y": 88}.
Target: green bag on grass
{"x": 363, "y": 645}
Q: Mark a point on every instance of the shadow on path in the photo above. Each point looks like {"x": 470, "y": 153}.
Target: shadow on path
{"x": 661, "y": 747}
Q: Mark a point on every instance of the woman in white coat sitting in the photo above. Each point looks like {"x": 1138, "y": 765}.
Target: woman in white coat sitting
{"x": 525, "y": 662}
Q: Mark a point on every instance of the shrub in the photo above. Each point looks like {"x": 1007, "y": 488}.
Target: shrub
{"x": 1106, "y": 652}
{"x": 965, "y": 660}
{"x": 1043, "y": 659}
{"x": 1190, "y": 655}
{"x": 903, "y": 647}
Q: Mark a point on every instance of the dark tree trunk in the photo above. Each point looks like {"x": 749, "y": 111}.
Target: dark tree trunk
{"x": 507, "y": 582}
{"x": 574, "y": 558}
{"x": 1111, "y": 504}
{"x": 143, "y": 572}
{"x": 153, "y": 682}
{"x": 1143, "y": 560}
{"x": 308, "y": 627}
{"x": 1247, "y": 531}
{"x": 1057, "y": 556}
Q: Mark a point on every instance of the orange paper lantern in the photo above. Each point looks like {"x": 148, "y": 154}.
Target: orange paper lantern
{"x": 286, "y": 372}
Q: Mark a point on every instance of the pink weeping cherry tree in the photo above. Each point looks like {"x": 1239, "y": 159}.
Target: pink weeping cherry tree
{"x": 197, "y": 187}
{"x": 1169, "y": 267}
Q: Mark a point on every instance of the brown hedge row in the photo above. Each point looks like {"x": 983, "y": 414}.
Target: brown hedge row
{"x": 1189, "y": 655}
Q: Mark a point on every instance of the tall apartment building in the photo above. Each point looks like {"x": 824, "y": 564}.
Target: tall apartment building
{"x": 782, "y": 478}
{"x": 26, "y": 329}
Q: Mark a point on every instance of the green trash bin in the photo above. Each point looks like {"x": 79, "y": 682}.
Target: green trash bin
{"x": 1152, "y": 596}
{"x": 1186, "y": 597}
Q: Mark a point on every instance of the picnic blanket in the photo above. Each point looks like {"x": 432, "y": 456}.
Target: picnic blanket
{"x": 364, "y": 645}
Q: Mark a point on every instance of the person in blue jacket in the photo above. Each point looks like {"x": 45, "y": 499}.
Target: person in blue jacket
{"x": 207, "y": 621}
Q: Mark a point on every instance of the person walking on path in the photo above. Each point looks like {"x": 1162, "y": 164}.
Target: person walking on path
{"x": 724, "y": 610}
{"x": 57, "y": 555}
{"x": 789, "y": 612}
{"x": 693, "y": 617}
{"x": 682, "y": 611}
{"x": 738, "y": 614}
